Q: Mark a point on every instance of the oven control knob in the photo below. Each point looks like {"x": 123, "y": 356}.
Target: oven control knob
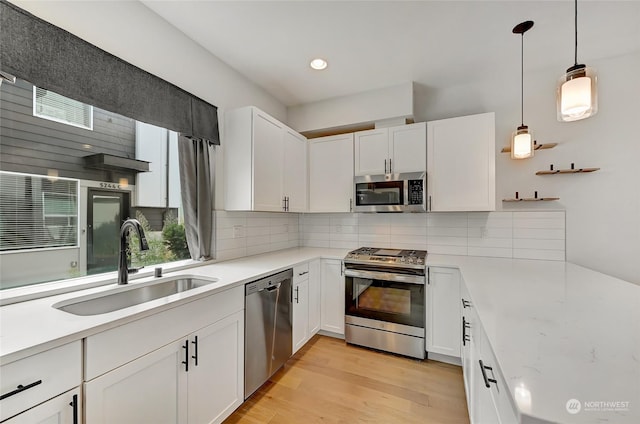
{"x": 410, "y": 260}
{"x": 403, "y": 259}
{"x": 420, "y": 261}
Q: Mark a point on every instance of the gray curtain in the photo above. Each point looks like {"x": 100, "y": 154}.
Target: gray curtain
{"x": 196, "y": 162}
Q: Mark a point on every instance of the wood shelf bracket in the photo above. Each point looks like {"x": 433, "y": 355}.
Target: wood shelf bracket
{"x": 536, "y": 146}
{"x": 572, "y": 170}
{"x": 535, "y": 198}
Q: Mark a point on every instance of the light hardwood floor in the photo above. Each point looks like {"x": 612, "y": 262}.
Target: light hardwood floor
{"x": 328, "y": 381}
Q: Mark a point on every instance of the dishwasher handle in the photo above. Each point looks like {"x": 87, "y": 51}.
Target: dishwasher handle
{"x": 274, "y": 287}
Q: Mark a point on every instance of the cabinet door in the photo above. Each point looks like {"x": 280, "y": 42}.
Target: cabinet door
{"x": 59, "y": 410}
{"x": 216, "y": 383}
{"x": 151, "y": 389}
{"x": 461, "y": 163}
{"x": 443, "y": 311}
{"x": 314, "y": 297}
{"x": 300, "y": 314}
{"x": 268, "y": 154}
{"x": 332, "y": 296}
{"x": 372, "y": 152}
{"x": 331, "y": 174}
{"x": 408, "y": 148}
{"x": 295, "y": 171}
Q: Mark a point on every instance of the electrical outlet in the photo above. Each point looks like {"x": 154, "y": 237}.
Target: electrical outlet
{"x": 238, "y": 231}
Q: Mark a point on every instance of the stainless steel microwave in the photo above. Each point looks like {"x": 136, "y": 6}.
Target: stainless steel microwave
{"x": 391, "y": 193}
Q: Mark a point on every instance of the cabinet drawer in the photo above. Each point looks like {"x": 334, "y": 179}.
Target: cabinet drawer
{"x": 115, "y": 347}
{"x": 46, "y": 375}
{"x": 300, "y": 272}
{"x": 499, "y": 390}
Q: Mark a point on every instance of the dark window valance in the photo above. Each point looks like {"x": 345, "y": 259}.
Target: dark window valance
{"x": 54, "y": 59}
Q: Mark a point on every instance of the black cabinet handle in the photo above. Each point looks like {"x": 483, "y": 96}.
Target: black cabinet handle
{"x": 390, "y": 166}
{"x": 465, "y": 336}
{"x": 303, "y": 273}
{"x": 74, "y": 405}
{"x": 186, "y": 355}
{"x": 195, "y": 348}
{"x": 20, "y": 389}
{"x": 297, "y": 289}
{"x": 487, "y": 380}
{"x": 465, "y": 304}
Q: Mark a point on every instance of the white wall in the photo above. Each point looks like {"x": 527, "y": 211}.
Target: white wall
{"x": 602, "y": 208}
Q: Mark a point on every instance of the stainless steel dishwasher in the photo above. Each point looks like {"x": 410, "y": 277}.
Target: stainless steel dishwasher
{"x": 267, "y": 325}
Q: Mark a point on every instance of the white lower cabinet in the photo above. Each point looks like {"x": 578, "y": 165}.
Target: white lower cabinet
{"x": 332, "y": 294}
{"x": 487, "y": 393}
{"x": 63, "y": 409}
{"x": 197, "y": 379}
{"x": 300, "y": 325}
{"x": 443, "y": 312}
{"x": 183, "y": 365}
{"x": 306, "y": 302}
{"x": 37, "y": 386}
{"x": 314, "y": 297}
{"x": 152, "y": 388}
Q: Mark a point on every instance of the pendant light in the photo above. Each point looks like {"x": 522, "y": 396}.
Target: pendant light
{"x": 522, "y": 139}
{"x": 577, "y": 94}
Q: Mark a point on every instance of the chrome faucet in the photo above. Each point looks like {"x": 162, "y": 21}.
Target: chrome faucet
{"x": 123, "y": 270}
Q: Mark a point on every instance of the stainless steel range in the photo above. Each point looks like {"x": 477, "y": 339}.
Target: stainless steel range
{"x": 385, "y": 299}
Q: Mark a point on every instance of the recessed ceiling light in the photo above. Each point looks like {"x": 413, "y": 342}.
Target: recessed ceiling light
{"x": 318, "y": 64}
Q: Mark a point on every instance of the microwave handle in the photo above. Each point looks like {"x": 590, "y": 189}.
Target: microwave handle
{"x": 390, "y": 171}
{"x": 385, "y": 166}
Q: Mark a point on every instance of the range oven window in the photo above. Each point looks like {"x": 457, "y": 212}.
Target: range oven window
{"x": 389, "y": 301}
{"x": 380, "y": 193}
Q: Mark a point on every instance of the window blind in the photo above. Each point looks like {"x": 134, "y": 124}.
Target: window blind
{"x": 37, "y": 212}
{"x": 53, "y": 106}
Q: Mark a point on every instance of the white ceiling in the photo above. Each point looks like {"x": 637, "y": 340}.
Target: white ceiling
{"x": 374, "y": 44}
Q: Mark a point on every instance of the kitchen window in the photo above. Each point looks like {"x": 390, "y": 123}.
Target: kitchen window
{"x": 54, "y": 107}
{"x": 60, "y": 214}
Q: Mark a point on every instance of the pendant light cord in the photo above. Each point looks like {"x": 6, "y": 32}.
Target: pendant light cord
{"x": 522, "y": 79}
{"x": 576, "y": 31}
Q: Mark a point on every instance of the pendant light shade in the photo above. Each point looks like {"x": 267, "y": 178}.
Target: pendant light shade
{"x": 522, "y": 144}
{"x": 577, "y": 93}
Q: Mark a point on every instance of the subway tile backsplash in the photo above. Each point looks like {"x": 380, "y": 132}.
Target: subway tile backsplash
{"x": 512, "y": 234}
{"x": 241, "y": 234}
{"x": 525, "y": 235}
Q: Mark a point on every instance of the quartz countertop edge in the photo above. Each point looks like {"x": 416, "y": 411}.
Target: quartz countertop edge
{"x": 558, "y": 331}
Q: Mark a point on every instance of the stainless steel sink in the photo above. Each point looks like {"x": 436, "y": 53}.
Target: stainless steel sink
{"x": 131, "y": 295}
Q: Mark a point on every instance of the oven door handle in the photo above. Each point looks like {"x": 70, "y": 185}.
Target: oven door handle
{"x": 386, "y": 276}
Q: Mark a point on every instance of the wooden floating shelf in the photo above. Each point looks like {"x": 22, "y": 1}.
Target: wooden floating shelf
{"x": 532, "y": 199}
{"x": 567, "y": 171}
{"x": 535, "y": 147}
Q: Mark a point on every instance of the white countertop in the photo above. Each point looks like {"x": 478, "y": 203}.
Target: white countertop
{"x": 558, "y": 330}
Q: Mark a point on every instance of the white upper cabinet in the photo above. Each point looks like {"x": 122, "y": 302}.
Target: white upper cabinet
{"x": 372, "y": 152}
{"x": 331, "y": 173}
{"x": 391, "y": 150}
{"x": 461, "y": 163}
{"x": 408, "y": 148}
{"x": 295, "y": 171}
{"x": 265, "y": 166}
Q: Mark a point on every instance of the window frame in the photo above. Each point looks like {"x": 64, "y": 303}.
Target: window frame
{"x": 62, "y": 121}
